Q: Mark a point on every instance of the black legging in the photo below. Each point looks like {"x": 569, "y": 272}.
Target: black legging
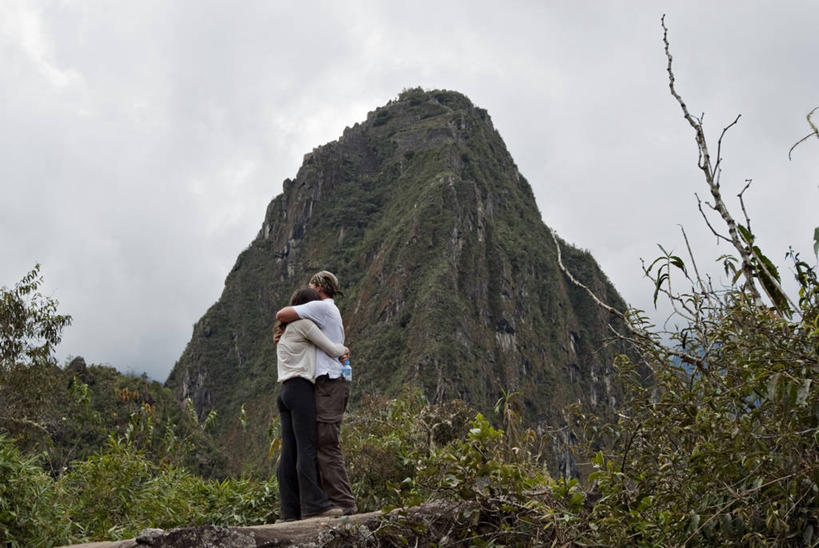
{"x": 299, "y": 490}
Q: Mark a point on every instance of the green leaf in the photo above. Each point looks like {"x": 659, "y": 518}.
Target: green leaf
{"x": 774, "y": 272}
{"x": 802, "y": 393}
{"x": 659, "y": 284}
{"x": 694, "y": 521}
{"x": 769, "y": 276}
{"x": 737, "y": 274}
{"x": 678, "y": 262}
{"x": 772, "y": 383}
{"x": 655, "y": 261}
{"x": 746, "y": 234}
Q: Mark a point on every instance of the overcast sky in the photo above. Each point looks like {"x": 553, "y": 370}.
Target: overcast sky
{"x": 140, "y": 142}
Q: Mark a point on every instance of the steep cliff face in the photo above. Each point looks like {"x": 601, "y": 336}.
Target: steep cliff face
{"x": 450, "y": 276}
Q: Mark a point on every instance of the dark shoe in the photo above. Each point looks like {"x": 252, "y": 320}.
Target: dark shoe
{"x": 332, "y": 512}
{"x": 285, "y": 520}
{"x": 350, "y": 510}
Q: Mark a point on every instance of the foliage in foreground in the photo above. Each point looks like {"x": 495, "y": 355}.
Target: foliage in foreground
{"x": 725, "y": 451}
{"x": 30, "y": 513}
{"x": 114, "y": 495}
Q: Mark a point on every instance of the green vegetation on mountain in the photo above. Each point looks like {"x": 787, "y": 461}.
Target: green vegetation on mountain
{"x": 449, "y": 276}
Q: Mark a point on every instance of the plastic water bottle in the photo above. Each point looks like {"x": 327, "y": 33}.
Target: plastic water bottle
{"x": 347, "y": 371}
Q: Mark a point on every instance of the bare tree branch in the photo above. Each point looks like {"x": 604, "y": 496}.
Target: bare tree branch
{"x": 574, "y": 280}
{"x": 26, "y": 422}
{"x": 709, "y": 172}
{"x": 640, "y": 334}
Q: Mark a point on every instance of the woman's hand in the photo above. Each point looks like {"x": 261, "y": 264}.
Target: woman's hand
{"x": 278, "y": 330}
{"x": 346, "y": 356}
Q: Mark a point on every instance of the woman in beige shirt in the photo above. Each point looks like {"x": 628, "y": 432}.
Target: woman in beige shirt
{"x": 299, "y": 488}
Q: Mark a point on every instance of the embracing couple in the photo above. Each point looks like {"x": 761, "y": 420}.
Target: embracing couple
{"x": 313, "y": 396}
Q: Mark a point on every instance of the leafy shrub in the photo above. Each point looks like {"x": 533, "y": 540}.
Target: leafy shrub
{"x": 492, "y": 482}
{"x": 477, "y": 467}
{"x": 383, "y": 444}
{"x": 725, "y": 452}
{"x": 31, "y": 512}
{"x": 119, "y": 492}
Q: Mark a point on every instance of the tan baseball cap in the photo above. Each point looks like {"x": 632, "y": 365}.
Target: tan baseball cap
{"x": 328, "y": 282}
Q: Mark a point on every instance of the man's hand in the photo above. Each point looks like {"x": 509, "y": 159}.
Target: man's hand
{"x": 346, "y": 356}
{"x": 287, "y": 314}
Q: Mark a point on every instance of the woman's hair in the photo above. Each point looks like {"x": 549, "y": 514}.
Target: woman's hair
{"x": 305, "y": 295}
{"x": 300, "y": 296}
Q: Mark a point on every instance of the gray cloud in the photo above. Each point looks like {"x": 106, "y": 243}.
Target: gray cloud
{"x": 140, "y": 143}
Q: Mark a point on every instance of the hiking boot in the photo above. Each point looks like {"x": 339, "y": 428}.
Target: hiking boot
{"x": 331, "y": 512}
{"x": 350, "y": 510}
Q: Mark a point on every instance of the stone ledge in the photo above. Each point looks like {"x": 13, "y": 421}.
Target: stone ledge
{"x": 351, "y": 530}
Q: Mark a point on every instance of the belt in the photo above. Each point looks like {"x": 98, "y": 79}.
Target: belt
{"x": 297, "y": 377}
{"x": 326, "y": 378}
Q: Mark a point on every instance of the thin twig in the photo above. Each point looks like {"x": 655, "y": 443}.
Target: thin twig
{"x": 708, "y": 222}
{"x": 719, "y": 143}
{"x": 685, "y": 357}
{"x": 742, "y": 203}
{"x": 799, "y": 142}
{"x": 806, "y": 137}
{"x": 628, "y": 447}
{"x": 700, "y": 285}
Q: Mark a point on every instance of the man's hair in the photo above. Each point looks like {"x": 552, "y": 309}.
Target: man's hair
{"x": 328, "y": 282}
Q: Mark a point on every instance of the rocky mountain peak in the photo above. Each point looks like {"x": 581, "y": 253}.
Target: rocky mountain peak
{"x": 450, "y": 276}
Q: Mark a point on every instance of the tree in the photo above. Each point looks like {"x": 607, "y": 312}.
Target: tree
{"x": 721, "y": 446}
{"x": 30, "y": 329}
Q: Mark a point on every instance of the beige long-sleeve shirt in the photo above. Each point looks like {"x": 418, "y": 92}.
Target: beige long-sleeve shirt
{"x": 296, "y": 351}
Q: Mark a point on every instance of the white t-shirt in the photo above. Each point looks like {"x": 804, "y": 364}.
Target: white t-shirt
{"x": 296, "y": 356}
{"x": 325, "y": 314}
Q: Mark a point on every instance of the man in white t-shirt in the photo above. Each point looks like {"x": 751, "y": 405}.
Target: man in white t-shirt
{"x": 332, "y": 391}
